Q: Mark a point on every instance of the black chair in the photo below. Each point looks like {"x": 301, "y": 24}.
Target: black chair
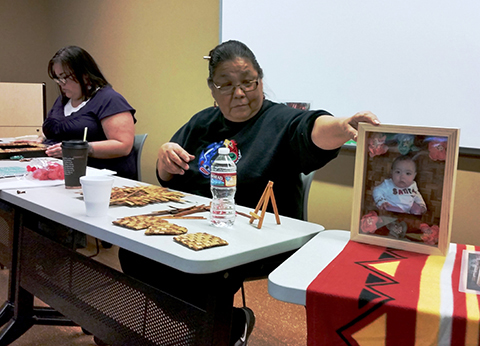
{"x": 307, "y": 182}
{"x": 138, "y": 148}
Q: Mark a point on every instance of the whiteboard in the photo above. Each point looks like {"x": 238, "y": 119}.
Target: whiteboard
{"x": 409, "y": 62}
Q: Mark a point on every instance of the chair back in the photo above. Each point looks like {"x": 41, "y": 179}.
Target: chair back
{"x": 137, "y": 148}
{"x": 307, "y": 182}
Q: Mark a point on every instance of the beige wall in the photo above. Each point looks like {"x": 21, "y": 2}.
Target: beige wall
{"x": 151, "y": 51}
{"x": 24, "y": 41}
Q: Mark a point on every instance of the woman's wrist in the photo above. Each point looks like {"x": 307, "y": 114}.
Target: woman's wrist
{"x": 90, "y": 150}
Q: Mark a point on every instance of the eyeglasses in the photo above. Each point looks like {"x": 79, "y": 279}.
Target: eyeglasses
{"x": 62, "y": 80}
{"x": 230, "y": 89}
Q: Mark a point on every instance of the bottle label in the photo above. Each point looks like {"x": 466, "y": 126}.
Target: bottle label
{"x": 223, "y": 179}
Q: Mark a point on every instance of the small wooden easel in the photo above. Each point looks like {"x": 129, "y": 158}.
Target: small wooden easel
{"x": 267, "y": 194}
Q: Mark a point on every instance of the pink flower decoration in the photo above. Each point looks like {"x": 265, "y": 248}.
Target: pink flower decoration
{"x": 368, "y": 223}
{"x": 430, "y": 234}
{"x": 438, "y": 150}
{"x": 376, "y": 144}
{"x": 53, "y": 171}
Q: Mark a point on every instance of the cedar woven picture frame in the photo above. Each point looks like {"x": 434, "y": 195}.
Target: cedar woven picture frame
{"x": 415, "y": 217}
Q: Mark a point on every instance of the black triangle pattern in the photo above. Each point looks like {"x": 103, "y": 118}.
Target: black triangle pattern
{"x": 366, "y": 296}
{"x": 386, "y": 255}
{"x": 373, "y": 279}
{"x": 369, "y": 293}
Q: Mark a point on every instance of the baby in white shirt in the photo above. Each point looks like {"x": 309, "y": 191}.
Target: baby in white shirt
{"x": 400, "y": 193}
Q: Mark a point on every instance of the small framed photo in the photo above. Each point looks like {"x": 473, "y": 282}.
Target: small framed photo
{"x": 305, "y": 106}
{"x": 470, "y": 272}
{"x": 404, "y": 187}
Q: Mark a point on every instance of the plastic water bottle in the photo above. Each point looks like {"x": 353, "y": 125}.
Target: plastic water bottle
{"x": 223, "y": 184}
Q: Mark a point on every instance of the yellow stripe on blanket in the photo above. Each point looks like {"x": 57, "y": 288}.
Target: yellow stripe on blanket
{"x": 473, "y": 313}
{"x": 428, "y": 308}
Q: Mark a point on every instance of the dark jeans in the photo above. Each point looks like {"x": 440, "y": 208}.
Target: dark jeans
{"x": 195, "y": 288}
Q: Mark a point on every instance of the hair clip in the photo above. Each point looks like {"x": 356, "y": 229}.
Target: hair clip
{"x": 207, "y": 57}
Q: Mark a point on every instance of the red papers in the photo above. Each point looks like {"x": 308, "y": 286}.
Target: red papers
{"x": 371, "y": 295}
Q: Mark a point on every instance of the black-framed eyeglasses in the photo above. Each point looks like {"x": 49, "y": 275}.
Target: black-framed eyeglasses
{"x": 62, "y": 80}
{"x": 230, "y": 89}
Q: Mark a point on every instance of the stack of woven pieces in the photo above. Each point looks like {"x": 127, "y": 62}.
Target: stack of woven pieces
{"x": 157, "y": 225}
{"x": 143, "y": 195}
{"x": 152, "y": 224}
{"x": 21, "y": 147}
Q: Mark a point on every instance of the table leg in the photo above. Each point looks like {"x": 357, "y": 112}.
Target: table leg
{"x": 22, "y": 301}
{"x": 18, "y": 313}
{"x": 220, "y": 309}
{"x": 22, "y": 318}
{"x": 11, "y": 233}
{"x": 6, "y": 312}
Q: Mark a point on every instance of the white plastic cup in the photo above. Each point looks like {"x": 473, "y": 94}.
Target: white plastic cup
{"x": 96, "y": 194}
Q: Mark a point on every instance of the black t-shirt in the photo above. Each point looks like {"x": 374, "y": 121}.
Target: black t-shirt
{"x": 275, "y": 145}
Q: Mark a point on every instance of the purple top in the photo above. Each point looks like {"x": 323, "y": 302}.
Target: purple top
{"x": 104, "y": 103}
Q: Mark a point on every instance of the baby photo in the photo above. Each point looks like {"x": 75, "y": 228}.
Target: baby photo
{"x": 403, "y": 186}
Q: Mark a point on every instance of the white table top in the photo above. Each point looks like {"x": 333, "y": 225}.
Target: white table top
{"x": 290, "y": 280}
{"x": 246, "y": 242}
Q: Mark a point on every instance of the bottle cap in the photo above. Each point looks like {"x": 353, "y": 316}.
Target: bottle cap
{"x": 223, "y": 151}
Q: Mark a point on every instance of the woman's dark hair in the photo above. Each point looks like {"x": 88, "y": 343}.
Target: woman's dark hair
{"x": 83, "y": 68}
{"x": 228, "y": 51}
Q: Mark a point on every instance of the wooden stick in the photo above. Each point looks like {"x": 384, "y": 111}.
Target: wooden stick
{"x": 263, "y": 202}
{"x": 275, "y": 210}
{"x": 180, "y": 211}
{"x": 265, "y": 205}
{"x": 182, "y": 217}
{"x": 246, "y": 215}
{"x": 260, "y": 202}
{"x": 254, "y": 216}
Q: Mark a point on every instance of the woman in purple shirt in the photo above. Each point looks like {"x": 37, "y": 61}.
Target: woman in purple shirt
{"x": 88, "y": 100}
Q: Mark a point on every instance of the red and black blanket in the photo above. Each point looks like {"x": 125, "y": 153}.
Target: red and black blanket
{"x": 372, "y": 295}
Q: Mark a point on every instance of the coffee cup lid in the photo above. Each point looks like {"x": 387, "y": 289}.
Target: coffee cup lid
{"x": 74, "y": 143}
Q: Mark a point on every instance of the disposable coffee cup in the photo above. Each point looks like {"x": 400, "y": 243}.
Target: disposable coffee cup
{"x": 74, "y": 155}
{"x": 96, "y": 194}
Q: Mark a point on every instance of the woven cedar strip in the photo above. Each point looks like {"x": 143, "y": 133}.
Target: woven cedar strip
{"x": 143, "y": 195}
{"x": 198, "y": 209}
{"x": 265, "y": 204}
{"x": 183, "y": 217}
{"x": 140, "y": 224}
{"x": 259, "y": 204}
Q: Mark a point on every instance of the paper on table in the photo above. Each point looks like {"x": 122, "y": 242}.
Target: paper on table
{"x": 23, "y": 183}
{"x": 12, "y": 171}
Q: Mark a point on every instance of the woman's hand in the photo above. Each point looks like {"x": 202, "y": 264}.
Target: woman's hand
{"x": 351, "y": 124}
{"x": 54, "y": 150}
{"x": 172, "y": 159}
{"x": 331, "y": 133}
